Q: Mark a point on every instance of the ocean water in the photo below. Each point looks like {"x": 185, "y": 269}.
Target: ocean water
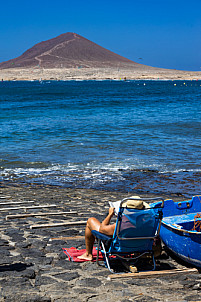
{"x": 131, "y": 136}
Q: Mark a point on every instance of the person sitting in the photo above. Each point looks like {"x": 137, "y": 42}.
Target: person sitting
{"x": 105, "y": 227}
{"x": 94, "y": 224}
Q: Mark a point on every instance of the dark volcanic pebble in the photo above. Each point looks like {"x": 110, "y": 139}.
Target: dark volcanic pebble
{"x": 67, "y": 276}
{"x": 89, "y": 282}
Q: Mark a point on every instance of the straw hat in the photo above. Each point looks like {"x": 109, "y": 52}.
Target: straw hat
{"x": 135, "y": 204}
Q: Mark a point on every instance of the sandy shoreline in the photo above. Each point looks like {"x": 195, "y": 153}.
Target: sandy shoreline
{"x": 134, "y": 73}
{"x": 33, "y": 268}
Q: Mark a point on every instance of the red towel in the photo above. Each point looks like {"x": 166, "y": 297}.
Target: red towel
{"x": 73, "y": 253}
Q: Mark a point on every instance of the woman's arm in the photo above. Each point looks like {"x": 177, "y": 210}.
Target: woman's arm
{"x": 105, "y": 228}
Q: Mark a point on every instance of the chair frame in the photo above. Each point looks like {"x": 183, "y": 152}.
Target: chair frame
{"x": 102, "y": 237}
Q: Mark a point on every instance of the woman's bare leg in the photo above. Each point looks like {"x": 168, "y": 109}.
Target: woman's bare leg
{"x": 92, "y": 224}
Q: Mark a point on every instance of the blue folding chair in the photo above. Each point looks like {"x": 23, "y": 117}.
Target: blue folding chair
{"x": 134, "y": 233}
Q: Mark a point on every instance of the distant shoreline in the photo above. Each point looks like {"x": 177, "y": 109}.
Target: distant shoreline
{"x": 35, "y": 74}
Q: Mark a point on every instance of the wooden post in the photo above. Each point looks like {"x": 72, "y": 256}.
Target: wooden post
{"x": 33, "y": 207}
{"x": 49, "y": 225}
{"x": 39, "y": 214}
{"x": 153, "y": 274}
{"x": 68, "y": 238}
{"x": 15, "y": 202}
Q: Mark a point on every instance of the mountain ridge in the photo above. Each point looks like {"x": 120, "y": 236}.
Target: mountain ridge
{"x": 68, "y": 50}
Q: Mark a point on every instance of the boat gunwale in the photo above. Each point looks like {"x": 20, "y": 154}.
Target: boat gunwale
{"x": 169, "y": 225}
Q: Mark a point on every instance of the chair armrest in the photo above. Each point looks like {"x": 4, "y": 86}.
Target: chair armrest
{"x": 101, "y": 236}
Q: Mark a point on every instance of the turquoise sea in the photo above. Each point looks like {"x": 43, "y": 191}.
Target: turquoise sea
{"x": 131, "y": 136}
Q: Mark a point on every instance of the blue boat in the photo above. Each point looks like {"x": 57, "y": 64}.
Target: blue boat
{"x": 181, "y": 229}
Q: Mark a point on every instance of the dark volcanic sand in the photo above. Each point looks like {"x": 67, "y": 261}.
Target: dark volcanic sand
{"x": 32, "y": 268}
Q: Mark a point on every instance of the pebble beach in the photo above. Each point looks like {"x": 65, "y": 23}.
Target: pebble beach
{"x": 33, "y": 266}
{"x": 141, "y": 72}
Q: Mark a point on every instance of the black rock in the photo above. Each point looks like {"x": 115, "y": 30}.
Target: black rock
{"x": 68, "y": 276}
{"x": 191, "y": 298}
{"x": 89, "y": 282}
{"x": 102, "y": 273}
{"x": 39, "y": 244}
{"x": 53, "y": 249}
{"x": 65, "y": 264}
{"x": 23, "y": 244}
{"x": 36, "y": 299}
{"x": 4, "y": 253}
{"x": 47, "y": 260}
{"x": 26, "y": 298}
{"x": 3, "y": 242}
{"x": 43, "y": 280}
{"x": 13, "y": 267}
{"x": 62, "y": 256}
{"x": 58, "y": 242}
{"x": 81, "y": 291}
{"x": 188, "y": 283}
{"x": 32, "y": 252}
{"x": 28, "y": 273}
{"x": 5, "y": 260}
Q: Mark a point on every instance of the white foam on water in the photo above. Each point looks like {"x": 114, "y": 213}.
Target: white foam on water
{"x": 87, "y": 170}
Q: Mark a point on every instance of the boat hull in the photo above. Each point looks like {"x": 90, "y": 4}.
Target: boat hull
{"x": 178, "y": 231}
{"x": 184, "y": 245}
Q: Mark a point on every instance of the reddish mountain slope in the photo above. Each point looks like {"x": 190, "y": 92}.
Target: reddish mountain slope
{"x": 66, "y": 51}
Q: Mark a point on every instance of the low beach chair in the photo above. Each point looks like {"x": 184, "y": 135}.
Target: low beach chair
{"x": 134, "y": 233}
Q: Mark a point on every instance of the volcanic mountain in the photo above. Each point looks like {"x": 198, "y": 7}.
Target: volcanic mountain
{"x": 68, "y": 50}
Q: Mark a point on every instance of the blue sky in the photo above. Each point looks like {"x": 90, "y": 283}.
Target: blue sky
{"x": 164, "y": 34}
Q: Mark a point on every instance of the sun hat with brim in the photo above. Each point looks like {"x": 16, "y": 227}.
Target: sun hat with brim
{"x": 135, "y": 204}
